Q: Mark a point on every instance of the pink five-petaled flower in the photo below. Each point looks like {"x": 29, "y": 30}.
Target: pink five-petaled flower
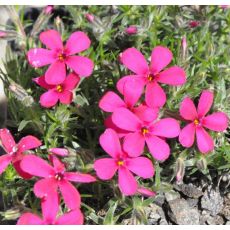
{"x": 151, "y": 75}
{"x": 217, "y": 122}
{"x": 131, "y": 30}
{"x": 121, "y": 162}
{"x": 153, "y": 133}
{"x": 15, "y": 151}
{"x": 59, "y": 56}
{"x": 55, "y": 177}
{"x": 50, "y": 208}
{"x": 61, "y": 92}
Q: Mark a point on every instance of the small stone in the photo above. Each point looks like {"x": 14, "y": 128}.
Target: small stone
{"x": 172, "y": 195}
{"x": 154, "y": 214}
{"x": 227, "y": 223}
{"x": 226, "y": 210}
{"x": 190, "y": 190}
{"x": 182, "y": 214}
{"x": 212, "y": 201}
{"x": 192, "y": 202}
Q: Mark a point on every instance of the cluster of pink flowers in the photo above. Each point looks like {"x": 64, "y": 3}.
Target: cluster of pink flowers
{"x": 61, "y": 59}
{"x": 135, "y": 121}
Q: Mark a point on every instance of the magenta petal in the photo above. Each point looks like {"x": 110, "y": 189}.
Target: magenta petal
{"x": 65, "y": 97}
{"x": 140, "y": 166}
{"x": 81, "y": 65}
{"x": 52, "y": 39}
{"x": 166, "y": 127}
{"x": 155, "y": 95}
{"x": 217, "y": 121}
{"x": 39, "y": 57}
{"x": 4, "y": 162}
{"x": 110, "y": 142}
{"x": 146, "y": 192}
{"x": 134, "y": 60}
{"x": 36, "y": 166}
{"x": 27, "y": 143}
{"x": 59, "y": 151}
{"x": 70, "y": 194}
{"x": 205, "y": 103}
{"x": 172, "y": 76}
{"x": 146, "y": 113}
{"x": 188, "y": 109}
{"x": 158, "y": 148}
{"x": 7, "y": 140}
{"x": 160, "y": 58}
{"x": 74, "y": 217}
{"x": 134, "y": 144}
{"x": 77, "y": 42}
{"x": 79, "y": 177}
{"x": 204, "y": 140}
{"x": 125, "y": 119}
{"x": 139, "y": 78}
{"x": 126, "y": 181}
{"x": 41, "y": 82}
{"x": 187, "y": 135}
{"x": 45, "y": 187}
{"x": 29, "y": 219}
{"x": 49, "y": 99}
{"x": 56, "y": 73}
{"x": 71, "y": 81}
{"x": 105, "y": 168}
{"x": 20, "y": 171}
{"x": 111, "y": 101}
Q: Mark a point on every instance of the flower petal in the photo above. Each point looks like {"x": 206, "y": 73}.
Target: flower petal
{"x": 36, "y": 166}
{"x": 79, "y": 177}
{"x": 110, "y": 142}
{"x": 7, "y": 140}
{"x": 45, "y": 187}
{"x": 41, "y": 82}
{"x": 188, "y": 109}
{"x": 126, "y": 181}
{"x": 146, "y": 113}
{"x": 70, "y": 194}
{"x": 71, "y": 81}
{"x": 4, "y": 162}
{"x": 52, "y": 39}
{"x": 105, "y": 168}
{"x": 111, "y": 101}
{"x": 172, "y": 76}
{"x": 39, "y": 57}
{"x": 187, "y": 135}
{"x": 155, "y": 95}
{"x": 56, "y": 73}
{"x": 59, "y": 151}
{"x": 29, "y": 219}
{"x": 160, "y": 58}
{"x": 125, "y": 119}
{"x": 140, "y": 166}
{"x": 27, "y": 143}
{"x": 205, "y": 103}
{"x": 77, "y": 42}
{"x": 74, "y": 217}
{"x": 20, "y": 171}
{"x": 49, "y": 99}
{"x": 158, "y": 147}
{"x": 81, "y": 65}
{"x": 217, "y": 121}
{"x": 166, "y": 127}
{"x": 134, "y": 60}
{"x": 134, "y": 144}
{"x": 146, "y": 192}
{"x": 204, "y": 140}
{"x": 66, "y": 97}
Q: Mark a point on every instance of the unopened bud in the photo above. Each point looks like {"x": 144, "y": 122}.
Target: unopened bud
{"x": 223, "y": 7}
{"x": 180, "y": 170}
{"x": 202, "y": 164}
{"x": 48, "y": 9}
{"x": 12, "y": 214}
{"x": 146, "y": 192}
{"x": 131, "y": 30}
{"x": 2, "y": 34}
{"x": 194, "y": 24}
{"x": 89, "y": 17}
{"x": 59, "y": 25}
{"x": 184, "y": 46}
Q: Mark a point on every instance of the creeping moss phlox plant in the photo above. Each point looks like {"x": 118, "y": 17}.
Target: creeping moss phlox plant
{"x": 112, "y": 112}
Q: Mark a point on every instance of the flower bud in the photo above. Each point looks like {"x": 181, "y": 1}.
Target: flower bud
{"x": 48, "y": 9}
{"x": 2, "y": 34}
{"x": 131, "y": 30}
{"x": 201, "y": 164}
{"x": 193, "y": 24}
{"x": 184, "y": 46}
{"x": 89, "y": 17}
{"x": 180, "y": 170}
{"x": 146, "y": 192}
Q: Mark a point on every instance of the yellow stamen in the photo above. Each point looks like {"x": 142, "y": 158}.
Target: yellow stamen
{"x": 196, "y": 122}
{"x": 59, "y": 88}
{"x": 150, "y": 77}
{"x": 144, "y": 131}
{"x": 120, "y": 163}
{"x": 61, "y": 57}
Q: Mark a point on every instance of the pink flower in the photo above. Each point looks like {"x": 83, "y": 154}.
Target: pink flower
{"x": 59, "y": 151}
{"x": 194, "y": 24}
{"x": 131, "y": 30}
{"x": 89, "y": 17}
{"x": 55, "y": 177}
{"x": 61, "y": 92}
{"x": 50, "y": 209}
{"x": 198, "y": 121}
{"x": 153, "y": 133}
{"x": 59, "y": 56}
{"x": 15, "y": 151}
{"x": 121, "y": 162}
{"x": 151, "y": 75}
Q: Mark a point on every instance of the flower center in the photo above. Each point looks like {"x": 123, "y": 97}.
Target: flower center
{"x": 144, "y": 130}
{"x": 59, "y": 88}
{"x": 196, "y": 122}
{"x": 59, "y": 176}
{"x": 150, "y": 77}
{"x": 120, "y": 162}
{"x": 61, "y": 57}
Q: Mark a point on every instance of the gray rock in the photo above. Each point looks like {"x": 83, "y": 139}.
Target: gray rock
{"x": 226, "y": 210}
{"x": 172, "y": 195}
{"x": 207, "y": 219}
{"x": 227, "y": 223}
{"x": 192, "y": 202}
{"x": 154, "y": 214}
{"x": 182, "y": 214}
{"x": 190, "y": 190}
{"x": 212, "y": 201}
